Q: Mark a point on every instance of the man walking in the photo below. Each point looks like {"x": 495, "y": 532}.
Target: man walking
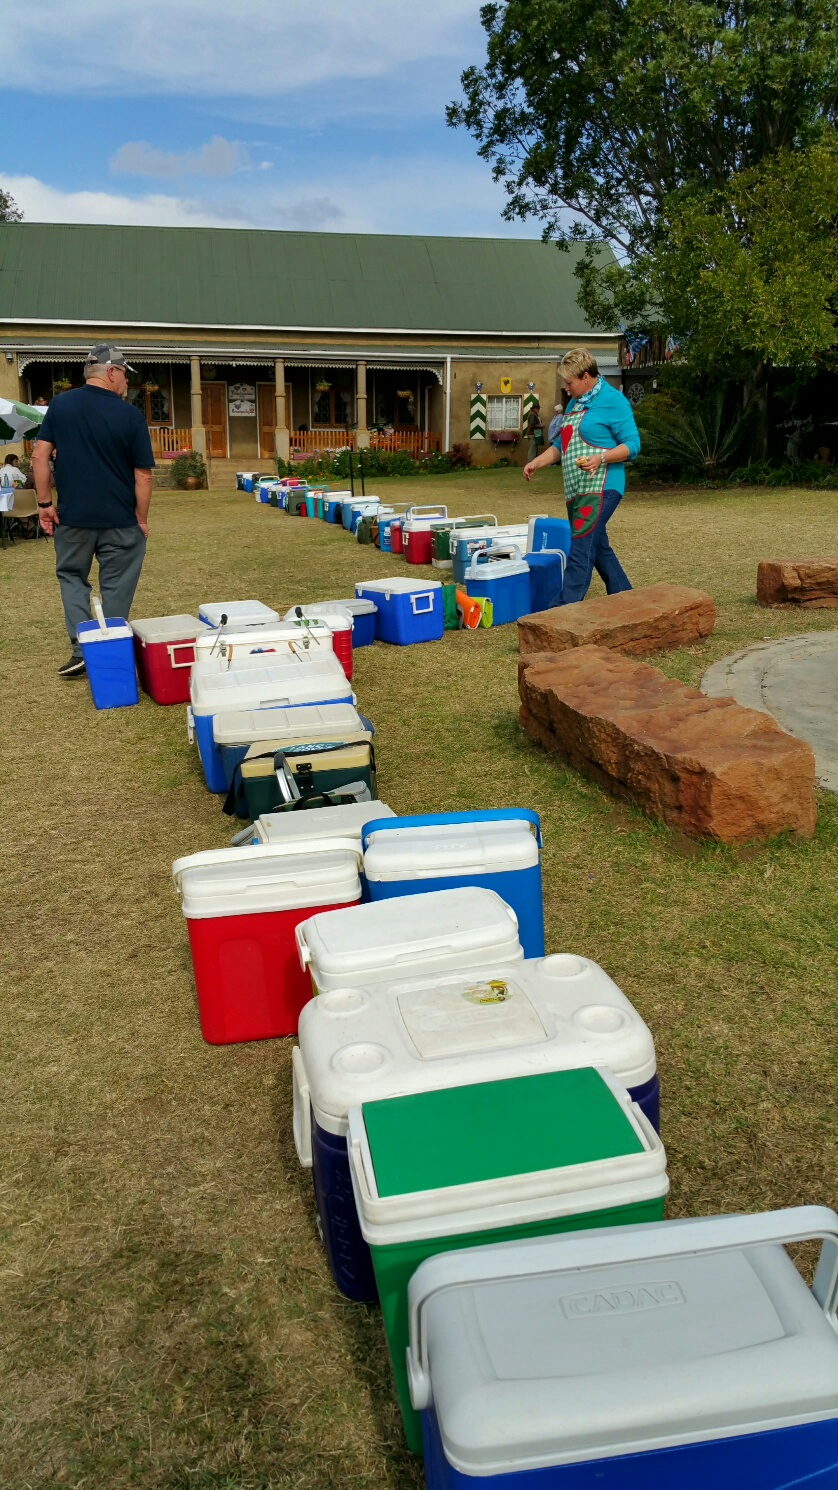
{"x": 103, "y": 465}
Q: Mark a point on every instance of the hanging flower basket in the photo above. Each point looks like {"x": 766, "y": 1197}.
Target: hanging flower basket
{"x": 151, "y": 387}
{"x": 61, "y": 385}
{"x": 322, "y": 386}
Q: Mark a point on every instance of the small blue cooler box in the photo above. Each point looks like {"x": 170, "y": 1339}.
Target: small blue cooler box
{"x": 500, "y": 574}
{"x": 676, "y": 1355}
{"x": 108, "y": 651}
{"x": 408, "y": 610}
{"x": 493, "y": 850}
{"x": 548, "y": 534}
{"x": 384, "y": 526}
{"x": 546, "y": 578}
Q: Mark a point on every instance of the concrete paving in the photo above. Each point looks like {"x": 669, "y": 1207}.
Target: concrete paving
{"x": 796, "y": 681}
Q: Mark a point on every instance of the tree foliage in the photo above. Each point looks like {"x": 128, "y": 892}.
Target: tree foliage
{"x": 594, "y": 112}
{"x": 9, "y": 210}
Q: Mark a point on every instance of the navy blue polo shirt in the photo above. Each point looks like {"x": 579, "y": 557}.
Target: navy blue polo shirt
{"x": 100, "y": 440}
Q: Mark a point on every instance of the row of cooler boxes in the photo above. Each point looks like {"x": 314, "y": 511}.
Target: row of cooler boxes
{"x": 481, "y": 1125}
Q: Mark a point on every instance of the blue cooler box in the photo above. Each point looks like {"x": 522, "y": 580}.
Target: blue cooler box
{"x": 108, "y": 651}
{"x": 548, "y": 534}
{"x": 498, "y": 849}
{"x": 384, "y": 526}
{"x": 363, "y": 614}
{"x": 677, "y": 1355}
{"x": 546, "y": 578}
{"x": 500, "y": 574}
{"x": 408, "y": 611}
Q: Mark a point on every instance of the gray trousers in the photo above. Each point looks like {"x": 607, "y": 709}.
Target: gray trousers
{"x": 120, "y": 552}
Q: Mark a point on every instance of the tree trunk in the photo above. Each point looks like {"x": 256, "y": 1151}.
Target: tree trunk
{"x": 755, "y": 402}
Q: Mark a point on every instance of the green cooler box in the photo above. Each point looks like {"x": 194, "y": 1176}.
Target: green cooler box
{"x": 494, "y": 1162}
{"x": 316, "y": 768}
{"x": 441, "y": 537}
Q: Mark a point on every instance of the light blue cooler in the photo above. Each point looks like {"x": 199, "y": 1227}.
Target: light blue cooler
{"x": 368, "y": 507}
{"x": 408, "y": 611}
{"x": 498, "y": 849}
{"x": 249, "y": 479}
{"x": 676, "y": 1355}
{"x": 333, "y": 504}
{"x": 499, "y": 574}
{"x": 272, "y": 686}
{"x": 466, "y": 542}
{"x": 107, "y": 647}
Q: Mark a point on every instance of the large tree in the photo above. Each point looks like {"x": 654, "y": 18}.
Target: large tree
{"x": 630, "y": 122}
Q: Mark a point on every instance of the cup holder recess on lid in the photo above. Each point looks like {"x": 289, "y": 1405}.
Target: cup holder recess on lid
{"x": 361, "y": 1059}
{"x": 342, "y": 1000}
{"x": 564, "y": 965}
{"x": 600, "y": 1019}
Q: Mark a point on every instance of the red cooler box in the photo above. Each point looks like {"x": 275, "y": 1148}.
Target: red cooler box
{"x": 164, "y": 647}
{"x": 417, "y": 532}
{"x": 242, "y": 907}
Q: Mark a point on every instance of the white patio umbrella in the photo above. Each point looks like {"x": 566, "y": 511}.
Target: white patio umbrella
{"x": 19, "y": 421}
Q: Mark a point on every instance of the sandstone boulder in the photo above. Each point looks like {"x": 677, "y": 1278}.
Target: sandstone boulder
{"x": 637, "y": 621}
{"x": 706, "y": 766}
{"x": 809, "y": 582}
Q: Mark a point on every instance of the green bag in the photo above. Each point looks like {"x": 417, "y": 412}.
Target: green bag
{"x": 449, "y": 607}
{"x": 363, "y": 532}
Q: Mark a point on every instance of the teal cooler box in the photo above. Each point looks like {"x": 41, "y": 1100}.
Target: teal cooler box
{"x": 408, "y": 611}
{"x": 687, "y": 1355}
{"x": 494, "y": 850}
{"x": 108, "y": 651}
{"x": 500, "y": 575}
{"x": 497, "y": 1161}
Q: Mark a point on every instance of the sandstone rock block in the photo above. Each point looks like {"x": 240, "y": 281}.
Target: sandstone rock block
{"x": 809, "y": 582}
{"x": 706, "y": 766}
{"x": 637, "y": 621}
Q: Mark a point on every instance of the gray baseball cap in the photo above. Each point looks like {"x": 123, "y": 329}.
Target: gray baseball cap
{"x": 106, "y": 354}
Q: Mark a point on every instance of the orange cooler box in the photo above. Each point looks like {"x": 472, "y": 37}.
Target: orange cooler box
{"x": 242, "y": 908}
{"x": 164, "y": 648}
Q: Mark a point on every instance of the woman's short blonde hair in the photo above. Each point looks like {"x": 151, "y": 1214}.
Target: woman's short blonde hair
{"x": 577, "y": 362}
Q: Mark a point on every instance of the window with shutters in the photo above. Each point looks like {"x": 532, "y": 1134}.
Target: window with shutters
{"x": 503, "y": 412}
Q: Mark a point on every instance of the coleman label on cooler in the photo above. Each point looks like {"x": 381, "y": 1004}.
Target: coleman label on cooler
{"x": 493, "y": 991}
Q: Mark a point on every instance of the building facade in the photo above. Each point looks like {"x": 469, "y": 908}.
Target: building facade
{"x": 254, "y": 344}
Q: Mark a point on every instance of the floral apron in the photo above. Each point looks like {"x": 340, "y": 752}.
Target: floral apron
{"x": 583, "y": 490}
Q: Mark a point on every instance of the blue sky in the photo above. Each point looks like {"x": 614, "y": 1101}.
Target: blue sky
{"x": 282, "y": 113}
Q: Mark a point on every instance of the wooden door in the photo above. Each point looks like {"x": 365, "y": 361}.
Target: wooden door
{"x": 214, "y": 418}
{"x": 266, "y": 407}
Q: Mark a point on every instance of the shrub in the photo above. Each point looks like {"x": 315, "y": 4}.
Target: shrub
{"x": 190, "y": 463}
{"x": 698, "y": 441}
{"x": 460, "y": 457}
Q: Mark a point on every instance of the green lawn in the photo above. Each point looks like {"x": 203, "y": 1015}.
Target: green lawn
{"x": 167, "y": 1317}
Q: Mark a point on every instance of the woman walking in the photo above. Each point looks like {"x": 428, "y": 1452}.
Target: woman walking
{"x": 598, "y": 436}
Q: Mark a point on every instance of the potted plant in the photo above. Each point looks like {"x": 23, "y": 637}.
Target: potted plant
{"x": 61, "y": 385}
{"x": 322, "y": 386}
{"x": 189, "y": 470}
{"x": 151, "y": 386}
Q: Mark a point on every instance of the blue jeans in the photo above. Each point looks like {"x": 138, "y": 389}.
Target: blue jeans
{"x": 594, "y": 552}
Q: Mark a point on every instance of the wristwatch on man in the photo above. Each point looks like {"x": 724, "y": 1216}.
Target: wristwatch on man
{"x": 45, "y": 504}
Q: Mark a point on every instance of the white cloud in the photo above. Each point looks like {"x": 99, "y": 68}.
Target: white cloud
{"x": 43, "y": 203}
{"x": 208, "y": 48}
{"x": 218, "y": 157}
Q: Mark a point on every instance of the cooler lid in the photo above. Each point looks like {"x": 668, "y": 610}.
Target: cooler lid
{"x": 399, "y": 586}
{"x": 116, "y": 630}
{"x": 318, "y": 822}
{"x": 169, "y": 629}
{"x": 261, "y": 634}
{"x": 264, "y": 877}
{"x": 564, "y": 1349}
{"x": 338, "y": 617}
{"x": 492, "y": 1130}
{"x": 236, "y": 610}
{"x": 308, "y": 722}
{"x": 450, "y": 849}
{"x": 353, "y": 606}
{"x": 263, "y": 685}
{"x": 381, "y": 935}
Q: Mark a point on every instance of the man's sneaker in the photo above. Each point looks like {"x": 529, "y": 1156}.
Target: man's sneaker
{"x": 75, "y": 668}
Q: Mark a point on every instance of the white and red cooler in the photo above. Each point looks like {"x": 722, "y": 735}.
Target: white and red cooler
{"x": 165, "y": 647}
{"x": 242, "y": 909}
{"x": 417, "y": 533}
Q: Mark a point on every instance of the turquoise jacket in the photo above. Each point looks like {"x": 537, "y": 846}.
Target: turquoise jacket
{"x": 608, "y": 422}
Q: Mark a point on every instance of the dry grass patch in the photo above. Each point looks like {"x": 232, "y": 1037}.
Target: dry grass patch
{"x": 167, "y": 1316}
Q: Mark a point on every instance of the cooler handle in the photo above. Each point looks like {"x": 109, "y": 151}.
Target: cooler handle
{"x": 190, "y": 725}
{"x": 422, "y": 610}
{"x": 485, "y": 556}
{"x": 653, "y": 1241}
{"x": 443, "y": 819}
{"x": 264, "y": 852}
{"x": 437, "y": 511}
{"x": 178, "y": 647}
{"x": 99, "y": 614}
{"x": 478, "y": 517}
{"x": 301, "y": 1120}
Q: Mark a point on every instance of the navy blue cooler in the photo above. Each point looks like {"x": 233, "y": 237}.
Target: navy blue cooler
{"x": 496, "y": 849}
{"x": 677, "y": 1355}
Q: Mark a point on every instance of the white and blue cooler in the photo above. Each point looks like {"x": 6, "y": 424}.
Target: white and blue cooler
{"x": 466, "y": 542}
{"x": 249, "y": 479}
{"x": 408, "y": 611}
{"x": 499, "y": 574}
{"x": 107, "y": 647}
{"x": 238, "y": 612}
{"x": 677, "y": 1355}
{"x": 497, "y": 850}
{"x": 366, "y": 507}
{"x": 281, "y": 639}
{"x": 363, "y": 613}
{"x": 477, "y": 1019}
{"x": 273, "y": 685}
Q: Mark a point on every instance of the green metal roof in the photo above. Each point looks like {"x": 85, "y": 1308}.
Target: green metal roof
{"x": 238, "y": 277}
